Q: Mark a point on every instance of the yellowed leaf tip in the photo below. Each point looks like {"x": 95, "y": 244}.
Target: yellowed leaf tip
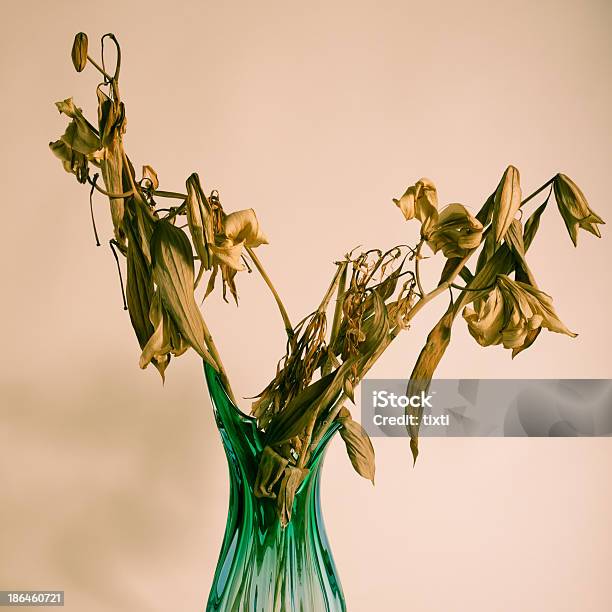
{"x": 414, "y": 447}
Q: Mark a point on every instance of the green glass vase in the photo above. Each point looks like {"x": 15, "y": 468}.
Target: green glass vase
{"x": 262, "y": 566}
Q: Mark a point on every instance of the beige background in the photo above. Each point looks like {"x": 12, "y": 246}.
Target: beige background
{"x": 317, "y": 114}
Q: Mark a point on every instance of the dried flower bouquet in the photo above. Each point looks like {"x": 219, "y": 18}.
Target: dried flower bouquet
{"x": 373, "y": 295}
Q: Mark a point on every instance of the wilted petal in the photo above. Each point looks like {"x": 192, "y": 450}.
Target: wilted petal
{"x": 455, "y": 232}
{"x": 80, "y": 135}
{"x": 229, "y": 254}
{"x": 515, "y": 330}
{"x": 158, "y": 346}
{"x": 426, "y": 205}
{"x": 73, "y": 161}
{"x": 420, "y": 201}
{"x": 485, "y": 324}
{"x": 407, "y": 203}
{"x": 243, "y": 226}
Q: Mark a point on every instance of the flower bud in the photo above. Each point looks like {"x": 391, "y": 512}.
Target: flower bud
{"x": 575, "y": 209}
{"x": 79, "y": 51}
{"x": 507, "y": 201}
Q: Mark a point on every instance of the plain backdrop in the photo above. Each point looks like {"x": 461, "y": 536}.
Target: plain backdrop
{"x": 317, "y": 114}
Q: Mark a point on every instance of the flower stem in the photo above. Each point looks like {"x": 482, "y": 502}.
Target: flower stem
{"x": 332, "y": 287}
{"x": 210, "y": 343}
{"x": 327, "y": 366}
{"x": 99, "y": 68}
{"x": 169, "y": 194}
{"x": 538, "y": 191}
{"x": 279, "y": 302}
{"x": 127, "y": 194}
{"x": 417, "y": 261}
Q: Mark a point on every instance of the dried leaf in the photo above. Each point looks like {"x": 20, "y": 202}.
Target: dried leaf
{"x": 485, "y": 214}
{"x": 173, "y": 275}
{"x": 292, "y": 479}
{"x": 514, "y": 238}
{"x": 270, "y": 469}
{"x": 532, "y": 225}
{"x": 376, "y": 327}
{"x": 294, "y": 417}
{"x": 423, "y": 371}
{"x": 358, "y": 446}
{"x": 139, "y": 290}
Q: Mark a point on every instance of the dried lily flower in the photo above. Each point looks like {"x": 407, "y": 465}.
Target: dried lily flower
{"x": 79, "y": 51}
{"x": 164, "y": 341}
{"x": 456, "y": 232}
{"x": 512, "y": 315}
{"x": 80, "y": 135}
{"x": 420, "y": 201}
{"x": 239, "y": 229}
{"x": 79, "y": 144}
{"x": 575, "y": 209}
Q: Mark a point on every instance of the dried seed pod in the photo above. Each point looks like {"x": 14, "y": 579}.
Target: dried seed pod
{"x": 79, "y": 51}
